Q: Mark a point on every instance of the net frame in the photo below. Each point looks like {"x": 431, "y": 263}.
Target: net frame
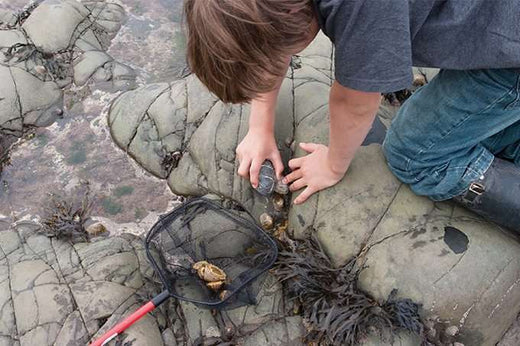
{"x": 201, "y": 205}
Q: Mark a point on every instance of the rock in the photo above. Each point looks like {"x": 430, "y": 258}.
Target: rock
{"x": 512, "y": 336}
{"x": 87, "y": 65}
{"x": 451, "y": 331}
{"x": 69, "y": 13}
{"x": 199, "y": 322}
{"x": 169, "y": 338}
{"x": 266, "y": 179}
{"x": 458, "y": 266}
{"x": 52, "y": 293}
{"x": 31, "y": 81}
{"x": 96, "y": 229}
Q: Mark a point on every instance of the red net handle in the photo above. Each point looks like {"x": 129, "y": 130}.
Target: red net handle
{"x": 127, "y": 322}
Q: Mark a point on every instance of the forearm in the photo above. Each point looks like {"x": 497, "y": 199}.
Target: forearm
{"x": 351, "y": 117}
{"x": 263, "y": 108}
{"x": 262, "y": 116}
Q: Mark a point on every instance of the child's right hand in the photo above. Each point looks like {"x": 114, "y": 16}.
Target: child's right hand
{"x": 256, "y": 147}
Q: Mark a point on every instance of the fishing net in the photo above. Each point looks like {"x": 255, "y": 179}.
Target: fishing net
{"x": 210, "y": 256}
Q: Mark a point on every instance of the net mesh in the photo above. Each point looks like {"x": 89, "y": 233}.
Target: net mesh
{"x": 211, "y": 256}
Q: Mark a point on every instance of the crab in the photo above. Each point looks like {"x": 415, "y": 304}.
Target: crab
{"x": 209, "y": 272}
{"x": 214, "y": 276}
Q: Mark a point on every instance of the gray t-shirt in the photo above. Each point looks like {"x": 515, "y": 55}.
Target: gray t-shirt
{"x": 378, "y": 41}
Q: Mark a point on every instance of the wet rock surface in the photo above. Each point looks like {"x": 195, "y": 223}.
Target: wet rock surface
{"x": 37, "y": 64}
{"x": 462, "y": 269}
{"x": 85, "y": 78}
{"x": 54, "y": 292}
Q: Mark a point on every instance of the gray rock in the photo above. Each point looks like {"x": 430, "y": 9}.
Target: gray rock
{"x": 199, "y": 322}
{"x": 68, "y": 13}
{"x": 87, "y": 65}
{"x": 404, "y": 240}
{"x": 169, "y": 338}
{"x": 512, "y": 336}
{"x": 73, "y": 331}
{"x": 31, "y": 82}
{"x": 53, "y": 293}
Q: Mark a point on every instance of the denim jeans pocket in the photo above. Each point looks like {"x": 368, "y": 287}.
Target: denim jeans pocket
{"x": 516, "y": 93}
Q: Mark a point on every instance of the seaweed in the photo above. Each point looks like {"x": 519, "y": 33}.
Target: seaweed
{"x": 65, "y": 218}
{"x": 56, "y": 65}
{"x": 336, "y": 311}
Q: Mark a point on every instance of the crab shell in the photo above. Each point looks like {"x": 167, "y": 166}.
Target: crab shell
{"x": 215, "y": 285}
{"x": 209, "y": 272}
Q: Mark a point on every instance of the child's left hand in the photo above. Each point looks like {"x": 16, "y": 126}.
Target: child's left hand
{"x": 313, "y": 171}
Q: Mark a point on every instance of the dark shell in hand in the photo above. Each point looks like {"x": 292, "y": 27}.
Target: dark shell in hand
{"x": 266, "y": 179}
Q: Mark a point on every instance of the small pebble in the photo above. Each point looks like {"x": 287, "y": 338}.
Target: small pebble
{"x": 419, "y": 80}
{"x": 452, "y": 331}
{"x": 96, "y": 229}
{"x": 458, "y": 344}
{"x": 40, "y": 69}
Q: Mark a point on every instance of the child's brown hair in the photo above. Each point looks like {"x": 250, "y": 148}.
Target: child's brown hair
{"x": 239, "y": 48}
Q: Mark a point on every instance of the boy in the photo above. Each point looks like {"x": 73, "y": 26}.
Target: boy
{"x": 444, "y": 140}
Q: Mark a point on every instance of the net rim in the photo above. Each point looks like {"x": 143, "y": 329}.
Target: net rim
{"x": 208, "y": 204}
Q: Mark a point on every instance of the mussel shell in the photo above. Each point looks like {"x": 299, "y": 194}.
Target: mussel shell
{"x": 266, "y": 179}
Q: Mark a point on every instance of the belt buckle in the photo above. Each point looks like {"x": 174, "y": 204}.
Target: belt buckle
{"x": 475, "y": 190}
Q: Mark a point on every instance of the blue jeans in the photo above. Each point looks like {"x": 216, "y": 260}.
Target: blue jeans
{"x": 446, "y": 135}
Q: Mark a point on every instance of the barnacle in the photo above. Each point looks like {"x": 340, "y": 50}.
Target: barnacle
{"x": 281, "y": 188}
{"x": 266, "y": 221}
{"x": 278, "y": 202}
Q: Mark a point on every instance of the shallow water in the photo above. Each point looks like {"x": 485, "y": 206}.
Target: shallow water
{"x": 79, "y": 147}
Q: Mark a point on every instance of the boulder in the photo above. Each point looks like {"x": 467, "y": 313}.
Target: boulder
{"x": 461, "y": 268}
{"x": 53, "y": 292}
{"x": 36, "y": 64}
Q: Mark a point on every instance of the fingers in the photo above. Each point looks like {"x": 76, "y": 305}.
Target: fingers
{"x": 298, "y": 184}
{"x": 243, "y": 169}
{"x": 254, "y": 171}
{"x": 296, "y": 163}
{"x": 304, "y": 195}
{"x": 309, "y": 147}
{"x": 276, "y": 159}
{"x": 289, "y": 178}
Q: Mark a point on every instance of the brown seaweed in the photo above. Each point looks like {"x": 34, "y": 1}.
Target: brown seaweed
{"x": 336, "y": 311}
{"x": 65, "y": 218}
